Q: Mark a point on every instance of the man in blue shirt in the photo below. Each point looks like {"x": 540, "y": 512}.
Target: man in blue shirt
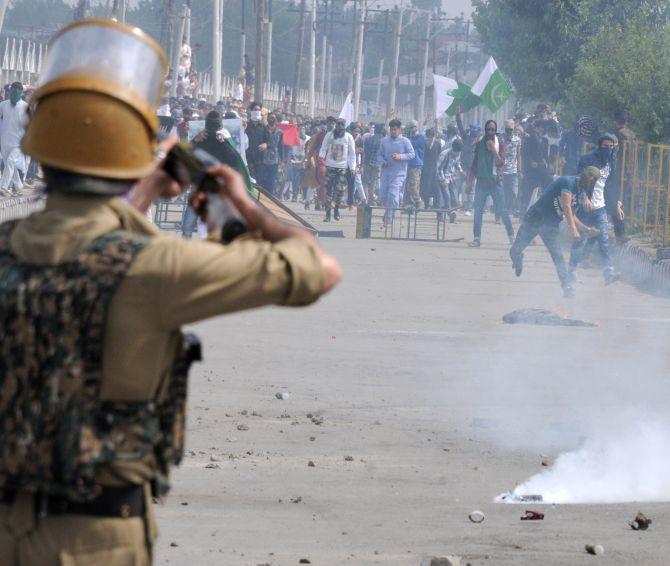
{"x": 414, "y": 166}
{"x": 557, "y": 200}
{"x": 394, "y": 152}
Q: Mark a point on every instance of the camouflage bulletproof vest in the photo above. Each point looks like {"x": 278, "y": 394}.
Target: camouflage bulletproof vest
{"x": 54, "y": 429}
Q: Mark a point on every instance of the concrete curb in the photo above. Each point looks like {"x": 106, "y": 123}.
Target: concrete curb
{"x": 638, "y": 267}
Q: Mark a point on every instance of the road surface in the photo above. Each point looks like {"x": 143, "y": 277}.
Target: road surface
{"x": 416, "y": 405}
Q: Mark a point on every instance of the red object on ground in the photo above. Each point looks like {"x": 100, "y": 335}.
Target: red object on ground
{"x": 291, "y": 134}
{"x": 533, "y": 516}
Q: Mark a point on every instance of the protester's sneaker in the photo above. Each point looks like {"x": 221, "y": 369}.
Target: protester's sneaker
{"x": 452, "y": 217}
{"x": 568, "y": 291}
{"x": 517, "y": 264}
{"x": 611, "y": 276}
{"x": 467, "y": 213}
{"x": 337, "y": 214}
{"x": 475, "y": 243}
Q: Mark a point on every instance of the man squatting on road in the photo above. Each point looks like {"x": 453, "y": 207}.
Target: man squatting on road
{"x": 92, "y": 298}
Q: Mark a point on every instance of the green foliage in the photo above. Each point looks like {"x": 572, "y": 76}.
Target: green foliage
{"x": 594, "y": 56}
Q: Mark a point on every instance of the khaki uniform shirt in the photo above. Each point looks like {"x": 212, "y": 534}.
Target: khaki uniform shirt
{"x": 172, "y": 282}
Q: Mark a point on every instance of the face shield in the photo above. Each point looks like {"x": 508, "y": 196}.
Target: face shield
{"x": 93, "y": 112}
{"x": 106, "y": 57}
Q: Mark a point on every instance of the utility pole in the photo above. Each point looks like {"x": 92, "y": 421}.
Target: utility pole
{"x": 82, "y": 10}
{"x": 298, "y": 56}
{"x": 268, "y": 57}
{"x": 312, "y": 60}
{"x": 360, "y": 32}
{"x": 243, "y": 35}
{"x": 167, "y": 23}
{"x": 379, "y": 82}
{"x": 259, "y": 89}
{"x": 393, "y": 75}
{"x": 176, "y": 49}
{"x": 3, "y": 11}
{"x": 330, "y": 70}
{"x": 324, "y": 57}
{"x": 424, "y": 73}
{"x": 187, "y": 29}
{"x": 216, "y": 48}
{"x": 120, "y": 13}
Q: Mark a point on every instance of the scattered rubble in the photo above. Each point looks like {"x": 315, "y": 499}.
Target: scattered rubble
{"x": 173, "y": 544}
{"x": 595, "y": 549}
{"x": 442, "y": 561}
{"x": 311, "y": 464}
{"x": 212, "y": 466}
{"x": 242, "y": 427}
{"x": 304, "y": 561}
{"x": 348, "y": 458}
{"x": 533, "y": 516}
{"x": 296, "y": 499}
{"x": 282, "y": 395}
{"x": 477, "y": 517}
{"x": 640, "y": 523}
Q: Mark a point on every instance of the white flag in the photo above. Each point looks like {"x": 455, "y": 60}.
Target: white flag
{"x": 347, "y": 111}
{"x": 442, "y": 87}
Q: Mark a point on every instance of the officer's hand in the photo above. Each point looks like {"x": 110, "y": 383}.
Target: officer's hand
{"x": 158, "y": 183}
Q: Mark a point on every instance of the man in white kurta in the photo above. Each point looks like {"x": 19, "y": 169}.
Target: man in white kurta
{"x": 14, "y": 117}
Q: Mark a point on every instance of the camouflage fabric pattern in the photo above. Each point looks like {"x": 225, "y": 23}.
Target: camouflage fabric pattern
{"x": 54, "y": 429}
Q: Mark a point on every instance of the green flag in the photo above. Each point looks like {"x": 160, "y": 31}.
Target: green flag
{"x": 491, "y": 86}
{"x": 464, "y": 100}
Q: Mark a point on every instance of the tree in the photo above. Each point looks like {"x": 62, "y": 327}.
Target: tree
{"x": 561, "y": 51}
{"x": 632, "y": 72}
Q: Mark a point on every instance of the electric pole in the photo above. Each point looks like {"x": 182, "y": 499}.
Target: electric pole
{"x": 298, "y": 55}
{"x": 424, "y": 73}
{"x": 217, "y": 43}
{"x": 243, "y": 36}
{"x": 176, "y": 50}
{"x": 393, "y": 75}
{"x": 268, "y": 58}
{"x": 259, "y": 89}
{"x": 167, "y": 23}
{"x": 3, "y": 11}
{"x": 312, "y": 60}
{"x": 360, "y": 32}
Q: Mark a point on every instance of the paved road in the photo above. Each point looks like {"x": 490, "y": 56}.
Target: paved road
{"x": 424, "y": 407}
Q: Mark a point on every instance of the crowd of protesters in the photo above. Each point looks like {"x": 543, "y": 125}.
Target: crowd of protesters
{"x": 327, "y": 163}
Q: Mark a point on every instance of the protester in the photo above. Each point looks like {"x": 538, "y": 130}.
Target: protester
{"x": 558, "y": 200}
{"x": 449, "y": 171}
{"x": 14, "y": 117}
{"x": 371, "y": 167}
{"x": 429, "y": 181}
{"x": 338, "y": 152}
{"x": 513, "y": 164}
{"x": 486, "y": 170}
{"x": 394, "y": 153}
{"x": 271, "y": 157}
{"x": 414, "y": 165}
{"x": 594, "y": 210}
{"x": 258, "y": 137}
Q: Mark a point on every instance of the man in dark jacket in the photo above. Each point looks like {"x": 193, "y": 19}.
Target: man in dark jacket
{"x": 258, "y": 136}
{"x": 487, "y": 163}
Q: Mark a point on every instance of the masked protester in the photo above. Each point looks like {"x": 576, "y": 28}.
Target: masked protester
{"x": 594, "y": 209}
{"x": 14, "y": 116}
{"x": 429, "y": 181}
{"x": 558, "y": 200}
{"x": 449, "y": 171}
{"x": 338, "y": 151}
{"x": 486, "y": 170}
{"x": 258, "y": 137}
{"x": 96, "y": 415}
{"x": 371, "y": 169}
{"x": 272, "y": 156}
